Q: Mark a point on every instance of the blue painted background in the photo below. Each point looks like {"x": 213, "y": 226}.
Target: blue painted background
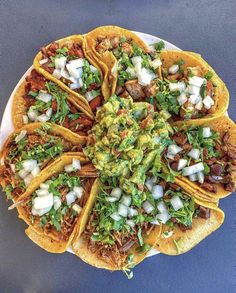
{"x": 204, "y": 26}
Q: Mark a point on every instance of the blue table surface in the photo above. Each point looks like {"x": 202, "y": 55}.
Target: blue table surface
{"x": 205, "y": 26}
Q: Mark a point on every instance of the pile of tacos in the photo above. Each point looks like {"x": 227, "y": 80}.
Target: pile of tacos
{"x": 119, "y": 148}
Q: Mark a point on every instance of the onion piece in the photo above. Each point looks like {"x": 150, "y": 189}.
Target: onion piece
{"x": 56, "y": 73}
{"x": 193, "y": 169}
{"x": 147, "y": 206}
{"x": 196, "y": 81}
{"x": 78, "y": 191}
{"x": 149, "y": 184}
{"x": 156, "y": 63}
{"x": 20, "y": 136}
{"x": 56, "y": 202}
{"x": 206, "y": 132}
{"x": 76, "y": 63}
{"x": 93, "y": 69}
{"x": 111, "y": 199}
{"x": 43, "y": 61}
{"x": 76, "y": 164}
{"x": 32, "y": 114}
{"x": 193, "y": 90}
{"x": 193, "y": 177}
{"x": 208, "y": 102}
{"x": 137, "y": 62}
{"x": 145, "y": 76}
{"x": 161, "y": 207}
{"x": 173, "y": 69}
{"x": 35, "y": 171}
{"x": 130, "y": 223}
{"x": 177, "y": 86}
{"x": 60, "y": 62}
{"x": 43, "y": 118}
{"x": 70, "y": 197}
{"x": 23, "y": 173}
{"x": 44, "y": 186}
{"x": 182, "y": 99}
{"x": 157, "y": 191}
{"x": 131, "y": 71}
{"x": 217, "y": 178}
{"x": 199, "y": 105}
{"x": 13, "y": 168}
{"x": 176, "y": 202}
{"x": 77, "y": 208}
{"x": 44, "y": 97}
{"x": 43, "y": 202}
{"x": 40, "y": 212}
{"x": 65, "y": 74}
{"x": 25, "y": 119}
{"x": 91, "y": 95}
{"x": 116, "y": 192}
{"x": 173, "y": 149}
{"x": 115, "y": 216}
{"x": 123, "y": 210}
{"x": 49, "y": 112}
{"x": 69, "y": 168}
{"x": 163, "y": 217}
{"x": 181, "y": 164}
{"x": 194, "y": 99}
{"x": 132, "y": 212}
{"x": 200, "y": 177}
{"x": 194, "y": 154}
{"x": 74, "y": 86}
{"x": 126, "y": 200}
{"x": 29, "y": 165}
{"x": 42, "y": 192}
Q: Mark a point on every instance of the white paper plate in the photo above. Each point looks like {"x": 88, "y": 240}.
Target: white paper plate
{"x": 7, "y": 125}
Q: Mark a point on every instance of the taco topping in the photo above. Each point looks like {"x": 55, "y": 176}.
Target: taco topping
{"x": 69, "y": 65}
{"x": 185, "y": 93}
{"x": 26, "y": 156}
{"x": 56, "y": 205}
{"x": 45, "y": 101}
{"x": 203, "y": 156}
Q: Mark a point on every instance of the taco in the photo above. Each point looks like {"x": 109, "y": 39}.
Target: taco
{"x": 202, "y": 154}
{"x": 29, "y": 150}
{"x": 132, "y": 67}
{"x": 54, "y": 205}
{"x": 40, "y": 100}
{"x": 66, "y": 63}
{"x": 185, "y": 219}
{"x": 118, "y": 234}
{"x": 189, "y": 88}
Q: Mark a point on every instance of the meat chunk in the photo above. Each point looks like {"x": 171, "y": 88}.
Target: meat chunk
{"x": 204, "y": 212}
{"x": 174, "y": 166}
{"x": 231, "y": 151}
{"x": 230, "y": 186}
{"x": 226, "y": 137}
{"x": 127, "y": 48}
{"x": 135, "y": 90}
{"x": 216, "y": 169}
{"x": 183, "y": 227}
{"x": 209, "y": 187}
{"x": 179, "y": 138}
{"x": 150, "y": 90}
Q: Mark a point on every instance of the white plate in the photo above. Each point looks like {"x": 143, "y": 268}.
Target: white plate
{"x": 7, "y": 125}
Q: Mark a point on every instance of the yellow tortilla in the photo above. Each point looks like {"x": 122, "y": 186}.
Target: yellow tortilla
{"x": 180, "y": 242}
{"x": 107, "y": 60}
{"x": 80, "y": 99}
{"x": 19, "y": 109}
{"x": 221, "y": 94}
{"x": 48, "y": 241}
{"x": 221, "y": 124}
{"x": 79, "y": 244}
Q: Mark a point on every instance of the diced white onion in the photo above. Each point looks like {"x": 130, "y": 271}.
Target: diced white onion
{"x": 56, "y": 202}
{"x": 173, "y": 149}
{"x": 145, "y": 76}
{"x": 163, "y": 217}
{"x": 23, "y": 173}
{"x": 65, "y": 74}
{"x": 217, "y": 178}
{"x": 206, "y": 132}
{"x": 208, "y": 102}
{"x": 43, "y": 61}
{"x": 74, "y": 86}
{"x": 181, "y": 164}
{"x": 137, "y": 62}
{"x": 193, "y": 90}
{"x": 130, "y": 223}
{"x": 182, "y": 99}
{"x": 56, "y": 73}
{"x": 35, "y": 171}
{"x": 194, "y": 99}
{"x": 199, "y": 105}
{"x": 42, "y": 192}
{"x": 149, "y": 183}
{"x": 157, "y": 191}
{"x": 43, "y": 202}
{"x": 90, "y": 95}
{"x": 111, "y": 199}
{"x": 161, "y": 207}
{"x": 44, "y": 186}
{"x": 78, "y": 191}
{"x": 76, "y": 164}
{"x": 115, "y": 216}
{"x": 156, "y": 63}
{"x": 193, "y": 169}
{"x": 40, "y": 212}
{"x": 93, "y": 69}
{"x": 193, "y": 177}
{"x": 194, "y": 153}
{"x": 60, "y": 62}
{"x": 43, "y": 118}
{"x": 177, "y": 86}
{"x": 49, "y": 112}
{"x": 69, "y": 168}
{"x": 116, "y": 192}
{"x": 25, "y": 119}
{"x": 32, "y": 114}
{"x": 76, "y": 63}
{"x": 126, "y": 200}
{"x": 44, "y": 97}
{"x": 21, "y": 135}
{"x": 176, "y": 202}
{"x": 147, "y": 206}
{"x": 123, "y": 210}
{"x": 132, "y": 212}
{"x": 77, "y": 208}
{"x": 196, "y": 81}
{"x": 29, "y": 165}
{"x": 200, "y": 177}
{"x": 131, "y": 71}
{"x": 70, "y": 197}
{"x": 174, "y": 68}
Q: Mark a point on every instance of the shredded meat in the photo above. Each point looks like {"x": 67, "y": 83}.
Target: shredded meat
{"x": 204, "y": 212}
{"x": 180, "y": 138}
